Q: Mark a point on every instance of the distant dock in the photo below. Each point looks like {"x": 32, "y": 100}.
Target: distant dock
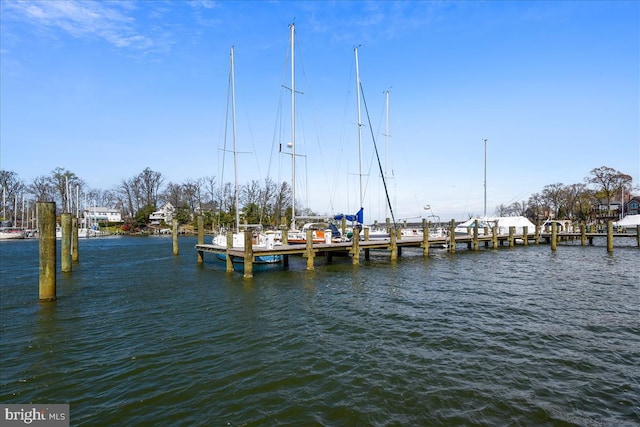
{"x": 396, "y": 242}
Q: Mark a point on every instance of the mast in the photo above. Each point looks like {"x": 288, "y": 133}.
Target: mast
{"x": 485, "y": 177}
{"x": 359, "y": 126}
{"x": 235, "y": 148}
{"x": 293, "y": 129}
{"x": 386, "y": 155}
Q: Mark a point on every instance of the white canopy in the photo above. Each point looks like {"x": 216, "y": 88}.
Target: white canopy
{"x": 628, "y": 221}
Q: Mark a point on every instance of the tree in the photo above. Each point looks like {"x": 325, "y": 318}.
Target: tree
{"x": 12, "y": 188}
{"x": 150, "y": 183}
{"x": 552, "y": 195}
{"x": 63, "y": 181}
{"x": 608, "y": 182}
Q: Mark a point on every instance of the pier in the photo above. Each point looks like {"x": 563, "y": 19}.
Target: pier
{"x": 396, "y": 242}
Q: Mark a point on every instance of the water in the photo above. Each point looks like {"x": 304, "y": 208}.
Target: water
{"x": 517, "y": 336}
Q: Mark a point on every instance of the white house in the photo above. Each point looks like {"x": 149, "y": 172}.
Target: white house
{"x": 95, "y": 214}
{"x": 165, "y": 214}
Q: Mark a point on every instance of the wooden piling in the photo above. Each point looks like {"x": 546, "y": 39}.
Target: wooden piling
{"x": 512, "y": 240}
{"x": 583, "y": 235}
{"x": 175, "y": 237}
{"x": 65, "y": 242}
{"x": 366, "y": 234}
{"x": 310, "y": 254}
{"x": 486, "y": 233}
{"x": 394, "y": 244}
{"x": 554, "y": 236}
{"x": 525, "y": 235}
{"x": 75, "y": 253}
{"x": 229, "y": 262}
{"x": 610, "y": 236}
{"x": 537, "y": 236}
{"x": 494, "y": 237}
{"x": 248, "y": 254}
{"x": 452, "y": 236}
{"x": 425, "y": 238}
{"x": 475, "y": 235}
{"x": 200, "y": 237}
{"x": 47, "y": 250}
{"x": 355, "y": 249}
{"x": 638, "y": 235}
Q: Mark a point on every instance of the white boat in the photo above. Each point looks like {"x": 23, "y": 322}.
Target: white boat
{"x": 11, "y": 233}
{"x": 259, "y": 239}
{"x": 502, "y": 222}
{"x": 629, "y": 222}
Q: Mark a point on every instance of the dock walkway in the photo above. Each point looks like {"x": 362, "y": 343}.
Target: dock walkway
{"x": 396, "y": 242}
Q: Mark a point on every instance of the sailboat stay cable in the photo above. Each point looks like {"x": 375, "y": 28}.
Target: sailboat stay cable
{"x": 375, "y": 146}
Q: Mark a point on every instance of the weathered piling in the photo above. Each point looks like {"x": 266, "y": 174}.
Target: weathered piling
{"x": 47, "y": 250}
{"x": 583, "y": 235}
{"x": 75, "y": 253}
{"x": 425, "y": 237}
{"x": 554, "y": 236}
{"x": 512, "y": 239}
{"x": 65, "y": 242}
{"x": 537, "y": 236}
{"x": 248, "y": 254}
{"x": 229, "y": 262}
{"x": 452, "y": 236}
{"x": 494, "y": 237}
{"x": 525, "y": 235}
{"x": 475, "y": 236}
{"x": 310, "y": 254}
{"x": 355, "y": 250}
{"x": 200, "y": 238}
{"x": 393, "y": 238}
{"x": 610, "y": 236}
{"x": 638, "y": 235}
{"x": 175, "y": 238}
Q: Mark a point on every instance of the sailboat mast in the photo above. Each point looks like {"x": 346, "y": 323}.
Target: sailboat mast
{"x": 293, "y": 129}
{"x": 359, "y": 126}
{"x": 235, "y": 148}
{"x": 386, "y": 155}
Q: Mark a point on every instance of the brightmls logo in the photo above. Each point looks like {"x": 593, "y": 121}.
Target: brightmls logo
{"x": 56, "y": 415}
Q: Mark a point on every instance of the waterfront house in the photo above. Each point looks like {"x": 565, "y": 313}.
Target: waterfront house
{"x": 164, "y": 214}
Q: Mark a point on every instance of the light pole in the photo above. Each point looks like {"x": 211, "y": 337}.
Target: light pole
{"x": 485, "y": 177}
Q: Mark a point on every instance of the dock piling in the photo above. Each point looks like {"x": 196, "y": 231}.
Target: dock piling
{"x": 200, "y": 238}
{"x": 610, "y": 236}
{"x": 47, "y": 250}
{"x": 310, "y": 254}
{"x": 175, "y": 237}
{"x": 248, "y": 254}
{"x": 75, "y": 254}
{"x": 554, "y": 236}
{"x": 65, "y": 243}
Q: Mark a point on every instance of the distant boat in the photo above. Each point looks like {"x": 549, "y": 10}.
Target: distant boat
{"x": 11, "y": 233}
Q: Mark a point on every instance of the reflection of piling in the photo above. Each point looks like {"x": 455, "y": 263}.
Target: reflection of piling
{"x": 175, "y": 238}
{"x": 47, "y": 243}
{"x": 65, "y": 243}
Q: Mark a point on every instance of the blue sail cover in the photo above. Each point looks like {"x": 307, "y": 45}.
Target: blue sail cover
{"x": 359, "y": 217}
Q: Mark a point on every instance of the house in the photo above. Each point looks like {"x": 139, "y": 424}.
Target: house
{"x": 632, "y": 207}
{"x": 164, "y": 214}
{"x": 100, "y": 214}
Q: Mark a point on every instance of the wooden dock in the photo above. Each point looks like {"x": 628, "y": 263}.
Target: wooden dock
{"x": 394, "y": 244}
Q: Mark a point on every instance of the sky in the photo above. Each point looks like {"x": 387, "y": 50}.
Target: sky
{"x": 105, "y": 89}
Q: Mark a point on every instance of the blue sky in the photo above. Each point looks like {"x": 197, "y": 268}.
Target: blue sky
{"x": 106, "y": 89}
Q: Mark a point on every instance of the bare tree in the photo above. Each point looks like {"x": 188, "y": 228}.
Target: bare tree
{"x": 12, "y": 189}
{"x": 607, "y": 182}
{"x": 63, "y": 181}
{"x": 150, "y": 183}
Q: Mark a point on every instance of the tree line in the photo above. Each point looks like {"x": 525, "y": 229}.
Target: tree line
{"x": 268, "y": 203}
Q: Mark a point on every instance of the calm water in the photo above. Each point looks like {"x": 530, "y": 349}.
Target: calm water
{"x": 517, "y": 336}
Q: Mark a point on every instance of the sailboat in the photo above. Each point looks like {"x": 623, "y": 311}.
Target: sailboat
{"x": 259, "y": 239}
